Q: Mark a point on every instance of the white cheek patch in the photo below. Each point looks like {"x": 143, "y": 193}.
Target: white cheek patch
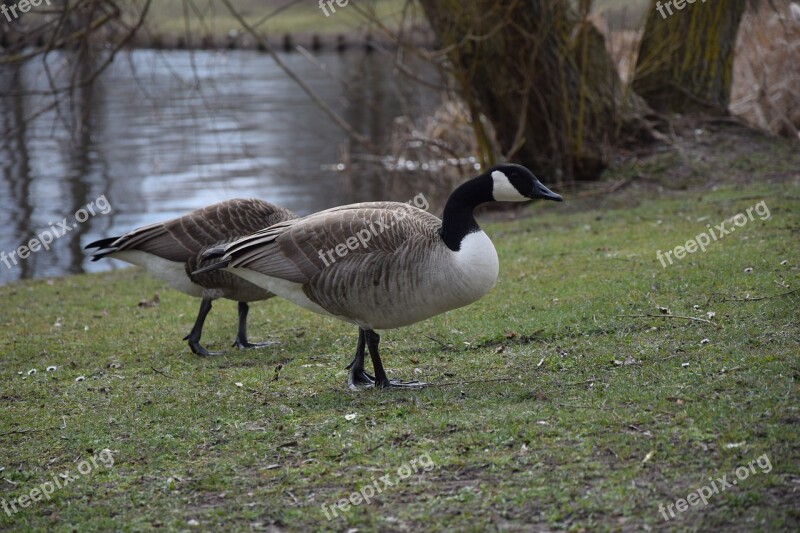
{"x": 503, "y": 191}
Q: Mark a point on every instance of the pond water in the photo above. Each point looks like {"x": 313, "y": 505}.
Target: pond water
{"x": 164, "y": 132}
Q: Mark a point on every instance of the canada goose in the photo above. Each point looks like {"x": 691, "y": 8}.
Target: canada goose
{"x": 393, "y": 265}
{"x": 171, "y": 250}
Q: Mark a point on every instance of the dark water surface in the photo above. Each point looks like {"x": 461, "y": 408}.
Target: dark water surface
{"x": 164, "y": 132}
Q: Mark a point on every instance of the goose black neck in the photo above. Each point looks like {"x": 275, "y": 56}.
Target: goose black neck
{"x": 458, "y": 219}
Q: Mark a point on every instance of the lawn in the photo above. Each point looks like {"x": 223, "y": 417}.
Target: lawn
{"x": 271, "y": 16}
{"x": 555, "y": 404}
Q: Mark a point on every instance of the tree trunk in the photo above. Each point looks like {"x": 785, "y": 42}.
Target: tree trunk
{"x": 540, "y": 74}
{"x": 685, "y": 59}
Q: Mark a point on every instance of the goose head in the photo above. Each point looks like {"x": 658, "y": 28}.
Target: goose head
{"x": 515, "y": 183}
{"x": 501, "y": 183}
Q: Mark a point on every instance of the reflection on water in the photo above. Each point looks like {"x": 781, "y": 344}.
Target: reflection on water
{"x": 162, "y": 133}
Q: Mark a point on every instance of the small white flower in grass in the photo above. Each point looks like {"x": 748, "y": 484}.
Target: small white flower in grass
{"x": 695, "y": 307}
{"x": 684, "y": 365}
{"x": 351, "y": 416}
{"x": 704, "y": 341}
{"x": 51, "y": 369}
{"x": 32, "y": 371}
{"x": 239, "y": 384}
{"x": 192, "y": 523}
{"x": 711, "y": 314}
{"x": 80, "y": 378}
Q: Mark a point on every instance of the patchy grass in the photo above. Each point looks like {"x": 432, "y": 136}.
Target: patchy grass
{"x": 552, "y": 408}
{"x": 271, "y": 17}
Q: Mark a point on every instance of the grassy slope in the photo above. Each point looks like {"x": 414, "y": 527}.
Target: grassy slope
{"x": 570, "y": 441}
{"x": 214, "y": 18}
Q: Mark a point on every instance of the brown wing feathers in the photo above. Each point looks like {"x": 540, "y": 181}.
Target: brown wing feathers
{"x": 183, "y": 238}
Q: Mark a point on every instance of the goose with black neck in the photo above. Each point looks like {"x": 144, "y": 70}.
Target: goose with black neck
{"x": 419, "y": 267}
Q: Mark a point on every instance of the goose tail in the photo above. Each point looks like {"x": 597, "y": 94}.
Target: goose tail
{"x": 103, "y": 247}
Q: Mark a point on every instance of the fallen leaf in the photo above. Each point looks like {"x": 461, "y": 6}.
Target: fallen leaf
{"x": 151, "y": 302}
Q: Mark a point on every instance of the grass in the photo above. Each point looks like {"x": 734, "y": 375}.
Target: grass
{"x": 551, "y": 409}
{"x": 213, "y": 18}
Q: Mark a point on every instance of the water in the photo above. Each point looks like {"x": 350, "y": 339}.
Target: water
{"x": 164, "y": 132}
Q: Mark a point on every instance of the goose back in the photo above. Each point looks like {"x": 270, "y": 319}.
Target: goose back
{"x": 397, "y": 273}
{"x": 172, "y": 250}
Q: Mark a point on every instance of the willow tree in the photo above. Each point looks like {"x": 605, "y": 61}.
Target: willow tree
{"x": 685, "y": 59}
{"x": 541, "y": 74}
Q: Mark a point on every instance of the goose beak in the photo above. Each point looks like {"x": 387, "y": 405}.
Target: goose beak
{"x": 540, "y": 191}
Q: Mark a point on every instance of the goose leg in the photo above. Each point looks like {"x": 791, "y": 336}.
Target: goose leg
{"x": 241, "y": 335}
{"x": 358, "y": 377}
{"x": 381, "y": 380}
{"x": 194, "y": 336}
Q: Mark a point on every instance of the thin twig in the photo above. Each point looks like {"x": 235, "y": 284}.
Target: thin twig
{"x": 441, "y": 343}
{"x": 21, "y": 432}
{"x": 589, "y": 381}
{"x": 451, "y": 383}
{"x": 573, "y": 406}
{"x": 673, "y": 316}
{"x": 748, "y": 299}
{"x": 157, "y": 371}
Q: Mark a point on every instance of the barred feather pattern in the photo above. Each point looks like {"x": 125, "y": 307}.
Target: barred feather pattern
{"x": 186, "y": 238}
{"x": 379, "y": 265}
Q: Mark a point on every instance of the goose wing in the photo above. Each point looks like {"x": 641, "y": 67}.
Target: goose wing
{"x": 332, "y": 241}
{"x": 183, "y": 238}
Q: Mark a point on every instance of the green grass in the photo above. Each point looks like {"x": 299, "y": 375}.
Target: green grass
{"x": 214, "y": 18}
{"x": 599, "y": 419}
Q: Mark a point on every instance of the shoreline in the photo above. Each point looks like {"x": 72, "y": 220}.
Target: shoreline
{"x": 237, "y": 40}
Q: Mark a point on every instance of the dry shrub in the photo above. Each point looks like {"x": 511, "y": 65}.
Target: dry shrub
{"x": 433, "y": 155}
{"x": 766, "y": 71}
